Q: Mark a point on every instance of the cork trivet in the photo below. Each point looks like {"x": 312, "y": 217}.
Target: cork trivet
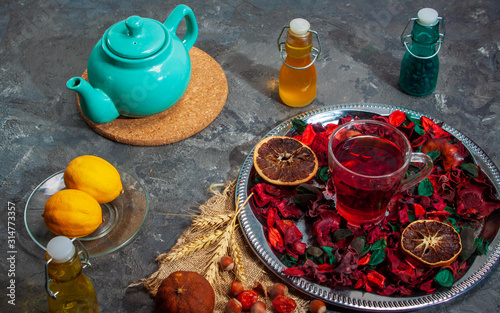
{"x": 201, "y": 104}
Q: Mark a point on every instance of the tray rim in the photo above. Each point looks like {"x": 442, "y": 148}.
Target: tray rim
{"x": 355, "y": 299}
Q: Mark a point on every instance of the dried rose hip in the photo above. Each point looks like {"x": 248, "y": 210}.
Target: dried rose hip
{"x": 247, "y": 298}
{"x": 284, "y": 304}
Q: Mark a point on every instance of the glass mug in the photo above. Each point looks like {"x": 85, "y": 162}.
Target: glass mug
{"x": 368, "y": 160}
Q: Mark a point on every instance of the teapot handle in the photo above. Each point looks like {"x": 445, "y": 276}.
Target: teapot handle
{"x": 173, "y": 20}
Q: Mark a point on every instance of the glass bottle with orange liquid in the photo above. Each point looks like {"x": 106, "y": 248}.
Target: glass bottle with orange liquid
{"x": 297, "y": 78}
{"x": 69, "y": 290}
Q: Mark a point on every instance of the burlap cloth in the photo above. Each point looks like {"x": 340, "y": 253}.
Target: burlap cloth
{"x": 221, "y": 202}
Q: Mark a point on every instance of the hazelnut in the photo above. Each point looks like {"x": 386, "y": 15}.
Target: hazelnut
{"x": 236, "y": 288}
{"x": 278, "y": 289}
{"x": 258, "y": 307}
{"x": 226, "y": 263}
{"x": 233, "y": 306}
{"x": 317, "y": 306}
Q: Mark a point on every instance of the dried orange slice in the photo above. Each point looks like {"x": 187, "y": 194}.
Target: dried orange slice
{"x": 431, "y": 242}
{"x": 284, "y": 161}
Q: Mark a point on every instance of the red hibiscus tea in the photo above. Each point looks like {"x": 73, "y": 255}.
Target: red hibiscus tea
{"x": 371, "y": 156}
{"x": 368, "y": 160}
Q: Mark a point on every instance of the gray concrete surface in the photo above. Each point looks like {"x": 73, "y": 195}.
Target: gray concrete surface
{"x": 44, "y": 43}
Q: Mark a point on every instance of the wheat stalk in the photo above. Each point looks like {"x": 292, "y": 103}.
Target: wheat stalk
{"x": 220, "y": 229}
{"x": 193, "y": 246}
{"x": 227, "y": 245}
{"x": 239, "y": 269}
{"x": 235, "y": 251}
{"x": 211, "y": 221}
{"x": 213, "y": 269}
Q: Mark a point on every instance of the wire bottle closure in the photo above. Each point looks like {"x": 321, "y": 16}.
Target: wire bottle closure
{"x": 85, "y": 259}
{"x": 438, "y": 42}
{"x": 281, "y": 47}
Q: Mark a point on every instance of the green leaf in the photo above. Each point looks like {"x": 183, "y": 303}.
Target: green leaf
{"x": 379, "y": 244}
{"x": 425, "y": 188}
{"x": 394, "y": 227}
{"x": 450, "y": 210}
{"x": 323, "y": 174}
{"x": 288, "y": 260}
{"x": 418, "y": 125}
{"x": 305, "y": 193}
{"x": 377, "y": 257}
{"x": 453, "y": 222}
{"x": 314, "y": 251}
{"x": 411, "y": 216}
{"x": 434, "y": 155}
{"x": 365, "y": 250}
{"x": 307, "y": 189}
{"x": 299, "y": 125}
{"x": 470, "y": 169}
{"x": 358, "y": 244}
{"x": 484, "y": 248}
{"x": 481, "y": 246}
{"x": 330, "y": 256}
{"x": 341, "y": 234}
{"x": 444, "y": 278}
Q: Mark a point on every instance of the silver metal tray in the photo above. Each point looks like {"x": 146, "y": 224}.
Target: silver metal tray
{"x": 355, "y": 299}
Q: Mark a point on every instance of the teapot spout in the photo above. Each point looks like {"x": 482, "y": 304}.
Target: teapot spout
{"x": 96, "y": 105}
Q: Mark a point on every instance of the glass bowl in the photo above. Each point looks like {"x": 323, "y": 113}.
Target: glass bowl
{"x": 122, "y": 217}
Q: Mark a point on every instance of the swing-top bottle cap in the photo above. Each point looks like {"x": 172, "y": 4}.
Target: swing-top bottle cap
{"x": 427, "y": 17}
{"x": 60, "y": 249}
{"x": 299, "y": 26}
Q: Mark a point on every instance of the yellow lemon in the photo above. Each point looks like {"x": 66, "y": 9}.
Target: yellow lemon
{"x": 95, "y": 176}
{"x": 72, "y": 213}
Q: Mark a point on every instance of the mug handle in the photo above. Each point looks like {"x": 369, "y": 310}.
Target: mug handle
{"x": 425, "y": 170}
{"x": 173, "y": 20}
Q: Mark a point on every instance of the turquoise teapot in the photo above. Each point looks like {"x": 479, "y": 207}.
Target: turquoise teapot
{"x": 139, "y": 68}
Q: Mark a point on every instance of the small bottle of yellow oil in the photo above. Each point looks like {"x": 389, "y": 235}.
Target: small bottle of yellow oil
{"x": 69, "y": 290}
{"x": 297, "y": 78}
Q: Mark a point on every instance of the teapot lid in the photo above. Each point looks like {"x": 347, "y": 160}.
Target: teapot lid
{"x": 135, "y": 38}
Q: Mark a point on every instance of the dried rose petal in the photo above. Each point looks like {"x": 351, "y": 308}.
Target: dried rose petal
{"x": 433, "y": 129}
{"x": 288, "y": 210}
{"x": 276, "y": 240}
{"x": 323, "y": 227}
{"x": 376, "y": 278}
{"x": 397, "y": 118}
{"x": 320, "y": 148}
{"x": 272, "y": 217}
{"x": 265, "y": 194}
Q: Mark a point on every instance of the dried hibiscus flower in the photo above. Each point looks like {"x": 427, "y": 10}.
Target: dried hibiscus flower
{"x": 475, "y": 199}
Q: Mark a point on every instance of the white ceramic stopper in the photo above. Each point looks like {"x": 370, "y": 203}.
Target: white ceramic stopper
{"x": 60, "y": 249}
{"x": 299, "y": 26}
{"x": 427, "y": 17}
